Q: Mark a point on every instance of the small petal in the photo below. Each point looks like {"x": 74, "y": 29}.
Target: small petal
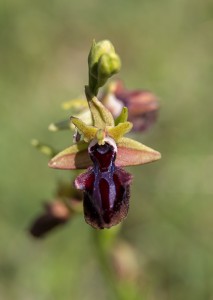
{"x": 131, "y": 153}
{"x": 123, "y": 117}
{"x": 74, "y": 157}
{"x": 118, "y": 131}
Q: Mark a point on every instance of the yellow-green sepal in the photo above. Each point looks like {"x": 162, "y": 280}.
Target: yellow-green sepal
{"x": 89, "y": 132}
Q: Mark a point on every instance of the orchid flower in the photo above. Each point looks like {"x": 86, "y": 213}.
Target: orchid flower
{"x": 102, "y": 148}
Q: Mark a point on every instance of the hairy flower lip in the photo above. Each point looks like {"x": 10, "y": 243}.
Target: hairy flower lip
{"x": 105, "y": 187}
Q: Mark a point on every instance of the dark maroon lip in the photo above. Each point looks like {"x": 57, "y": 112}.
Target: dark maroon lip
{"x": 106, "y": 188}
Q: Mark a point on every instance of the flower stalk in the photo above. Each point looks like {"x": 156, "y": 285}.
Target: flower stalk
{"x": 119, "y": 288}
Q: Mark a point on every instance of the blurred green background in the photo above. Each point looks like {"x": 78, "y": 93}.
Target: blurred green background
{"x": 165, "y": 46}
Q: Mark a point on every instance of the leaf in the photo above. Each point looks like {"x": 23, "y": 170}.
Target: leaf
{"x": 131, "y": 153}
{"x": 74, "y": 157}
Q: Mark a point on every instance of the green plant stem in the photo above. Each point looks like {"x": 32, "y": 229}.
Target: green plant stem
{"x": 120, "y": 289}
{"x": 106, "y": 266}
{"x": 93, "y": 85}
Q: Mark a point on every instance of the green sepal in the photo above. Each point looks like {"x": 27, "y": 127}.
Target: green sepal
{"x": 101, "y": 116}
{"x": 118, "y": 131}
{"x": 89, "y": 132}
{"x": 123, "y": 117}
{"x": 131, "y": 153}
{"x": 72, "y": 158}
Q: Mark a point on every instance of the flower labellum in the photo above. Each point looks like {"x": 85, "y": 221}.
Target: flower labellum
{"x": 106, "y": 187}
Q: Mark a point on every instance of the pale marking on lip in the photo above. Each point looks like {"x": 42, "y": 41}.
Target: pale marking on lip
{"x": 107, "y": 139}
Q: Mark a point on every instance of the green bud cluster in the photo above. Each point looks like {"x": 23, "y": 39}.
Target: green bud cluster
{"x": 103, "y": 63}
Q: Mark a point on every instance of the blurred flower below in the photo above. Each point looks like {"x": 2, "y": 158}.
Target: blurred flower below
{"x": 58, "y": 212}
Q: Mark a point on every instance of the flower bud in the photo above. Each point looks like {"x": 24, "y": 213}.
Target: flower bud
{"x": 103, "y": 63}
{"x": 108, "y": 65}
{"x": 97, "y": 50}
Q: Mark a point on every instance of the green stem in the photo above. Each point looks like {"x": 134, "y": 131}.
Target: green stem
{"x": 93, "y": 85}
{"x": 120, "y": 289}
{"x": 105, "y": 265}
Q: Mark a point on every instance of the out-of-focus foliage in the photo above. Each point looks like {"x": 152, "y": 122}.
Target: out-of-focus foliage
{"x": 165, "y": 46}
